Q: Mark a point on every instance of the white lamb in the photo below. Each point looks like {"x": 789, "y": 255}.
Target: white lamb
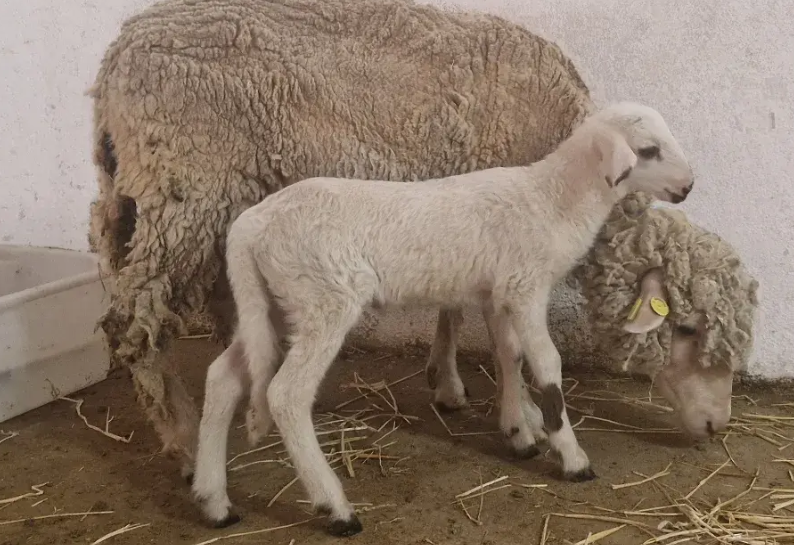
{"x": 322, "y": 250}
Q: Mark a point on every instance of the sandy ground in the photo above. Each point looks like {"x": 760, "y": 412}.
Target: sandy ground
{"x": 408, "y": 497}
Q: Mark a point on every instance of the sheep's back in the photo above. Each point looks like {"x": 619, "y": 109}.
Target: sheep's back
{"x": 364, "y": 88}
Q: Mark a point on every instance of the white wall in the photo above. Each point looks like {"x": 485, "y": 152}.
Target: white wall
{"x": 720, "y": 71}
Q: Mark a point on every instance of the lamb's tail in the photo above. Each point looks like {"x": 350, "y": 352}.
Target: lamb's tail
{"x": 255, "y": 327}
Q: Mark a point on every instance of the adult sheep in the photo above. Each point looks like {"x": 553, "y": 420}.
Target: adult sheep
{"x": 670, "y": 300}
{"x": 203, "y": 108}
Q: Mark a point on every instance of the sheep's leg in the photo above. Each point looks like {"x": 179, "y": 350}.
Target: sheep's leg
{"x": 224, "y": 387}
{"x": 532, "y": 412}
{"x": 530, "y": 324}
{"x": 258, "y": 420}
{"x": 519, "y": 418}
{"x": 171, "y": 410}
{"x": 291, "y": 395}
{"x": 221, "y": 307}
{"x": 442, "y": 370}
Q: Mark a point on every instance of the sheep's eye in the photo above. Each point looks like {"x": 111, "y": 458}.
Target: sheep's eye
{"x": 651, "y": 152}
{"x": 686, "y": 330}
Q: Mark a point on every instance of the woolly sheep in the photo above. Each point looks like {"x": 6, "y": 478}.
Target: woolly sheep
{"x": 497, "y": 238}
{"x": 201, "y": 109}
{"x": 644, "y": 253}
{"x": 693, "y": 351}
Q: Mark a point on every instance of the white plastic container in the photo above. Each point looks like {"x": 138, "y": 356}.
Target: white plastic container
{"x": 50, "y": 301}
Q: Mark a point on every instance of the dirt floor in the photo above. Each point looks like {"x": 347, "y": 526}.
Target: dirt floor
{"x": 406, "y": 484}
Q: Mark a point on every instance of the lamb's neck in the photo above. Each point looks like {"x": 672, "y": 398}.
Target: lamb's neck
{"x": 576, "y": 192}
{"x": 580, "y": 201}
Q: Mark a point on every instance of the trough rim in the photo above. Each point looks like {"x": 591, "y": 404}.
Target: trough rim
{"x": 33, "y": 293}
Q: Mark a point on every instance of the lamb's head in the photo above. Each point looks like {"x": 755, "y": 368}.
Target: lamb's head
{"x": 639, "y": 153}
{"x": 672, "y": 301}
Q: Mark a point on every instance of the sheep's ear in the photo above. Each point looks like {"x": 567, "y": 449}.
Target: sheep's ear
{"x": 616, "y": 156}
{"x": 650, "y": 308}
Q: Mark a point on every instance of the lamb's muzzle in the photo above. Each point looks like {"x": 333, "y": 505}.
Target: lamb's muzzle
{"x": 498, "y": 238}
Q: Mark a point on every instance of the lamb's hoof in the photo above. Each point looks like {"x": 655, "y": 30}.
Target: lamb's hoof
{"x": 526, "y": 453}
{"x": 583, "y": 475}
{"x": 228, "y": 520}
{"x": 188, "y": 479}
{"x": 345, "y": 528}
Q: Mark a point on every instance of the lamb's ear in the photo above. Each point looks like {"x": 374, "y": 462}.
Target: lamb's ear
{"x": 651, "y": 308}
{"x": 616, "y": 156}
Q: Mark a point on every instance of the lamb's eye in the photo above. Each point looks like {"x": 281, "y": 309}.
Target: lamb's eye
{"x": 651, "y": 152}
{"x": 686, "y": 330}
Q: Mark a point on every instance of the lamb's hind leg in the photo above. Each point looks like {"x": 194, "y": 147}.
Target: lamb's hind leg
{"x": 258, "y": 420}
{"x": 519, "y": 418}
{"x": 442, "y": 370}
{"x": 291, "y": 395}
{"x": 224, "y": 387}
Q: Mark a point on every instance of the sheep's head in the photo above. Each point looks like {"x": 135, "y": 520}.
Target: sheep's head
{"x": 701, "y": 396}
{"x": 672, "y": 301}
{"x": 638, "y": 152}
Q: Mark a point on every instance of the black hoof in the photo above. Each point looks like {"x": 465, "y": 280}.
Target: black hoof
{"x": 526, "y": 453}
{"x": 231, "y": 519}
{"x": 466, "y": 391}
{"x": 345, "y": 528}
{"x": 444, "y": 408}
{"x": 584, "y": 475}
{"x": 189, "y": 479}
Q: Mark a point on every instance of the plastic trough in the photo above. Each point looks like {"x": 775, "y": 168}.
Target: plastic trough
{"x": 50, "y": 300}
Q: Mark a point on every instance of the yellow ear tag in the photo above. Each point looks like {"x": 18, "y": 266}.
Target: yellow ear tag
{"x": 659, "y": 306}
{"x": 635, "y": 309}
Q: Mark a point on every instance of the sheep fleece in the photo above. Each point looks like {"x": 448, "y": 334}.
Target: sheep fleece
{"x": 202, "y": 108}
{"x": 703, "y": 273}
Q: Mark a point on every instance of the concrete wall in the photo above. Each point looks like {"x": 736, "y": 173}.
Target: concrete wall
{"x": 719, "y": 70}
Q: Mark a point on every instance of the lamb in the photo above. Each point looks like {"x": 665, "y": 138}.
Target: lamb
{"x": 201, "y": 109}
{"x": 664, "y": 298}
{"x": 498, "y": 238}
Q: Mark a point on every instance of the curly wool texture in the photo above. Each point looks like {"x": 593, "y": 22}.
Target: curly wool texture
{"x": 204, "y": 108}
{"x": 703, "y": 274}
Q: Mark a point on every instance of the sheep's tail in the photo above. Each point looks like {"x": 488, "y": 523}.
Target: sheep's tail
{"x": 255, "y": 327}
{"x": 112, "y": 214}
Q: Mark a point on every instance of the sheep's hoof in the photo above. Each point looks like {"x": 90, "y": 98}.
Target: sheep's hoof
{"x": 526, "y": 453}
{"x": 188, "y": 479}
{"x": 345, "y": 528}
{"x": 229, "y": 520}
{"x": 583, "y": 475}
{"x": 445, "y": 407}
{"x": 431, "y": 372}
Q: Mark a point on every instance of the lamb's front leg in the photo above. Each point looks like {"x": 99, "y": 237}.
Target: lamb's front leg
{"x": 519, "y": 418}
{"x": 544, "y": 360}
{"x": 442, "y": 369}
